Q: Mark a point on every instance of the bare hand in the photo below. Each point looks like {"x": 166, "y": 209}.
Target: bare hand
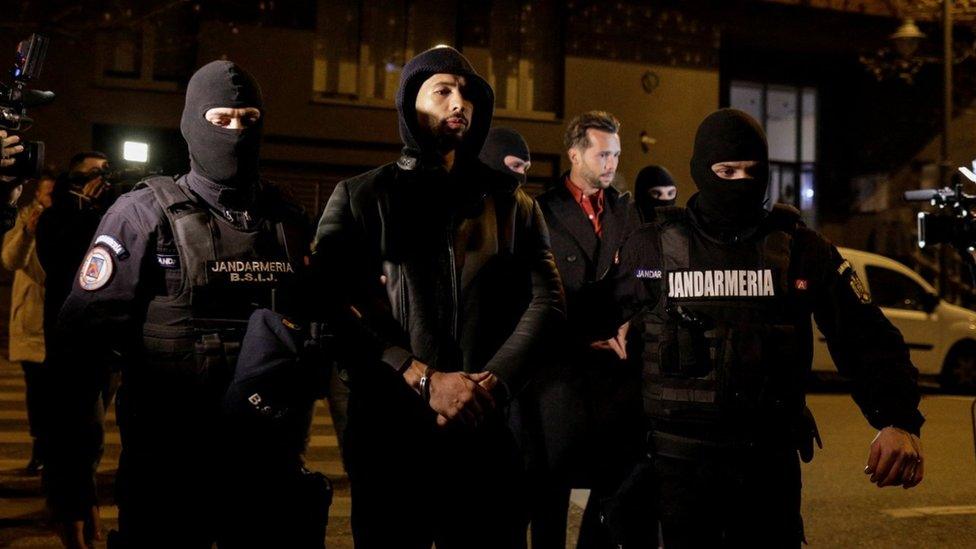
{"x": 457, "y": 397}
{"x": 94, "y": 188}
{"x": 616, "y": 344}
{"x": 489, "y": 382}
{"x": 896, "y": 459}
{"x": 80, "y": 534}
{"x": 9, "y": 147}
{"x": 32, "y": 219}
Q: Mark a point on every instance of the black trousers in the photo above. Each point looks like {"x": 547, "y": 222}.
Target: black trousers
{"x": 36, "y": 396}
{"x": 414, "y": 484}
{"x": 746, "y": 500}
{"x": 184, "y": 481}
{"x": 168, "y": 481}
{"x": 584, "y": 428}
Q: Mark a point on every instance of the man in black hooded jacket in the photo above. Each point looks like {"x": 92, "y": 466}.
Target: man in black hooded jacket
{"x": 725, "y": 291}
{"x": 169, "y": 281}
{"x": 446, "y": 264}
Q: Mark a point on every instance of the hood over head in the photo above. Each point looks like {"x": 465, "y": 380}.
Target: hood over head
{"x": 730, "y": 135}
{"x": 225, "y": 157}
{"x": 443, "y": 60}
{"x": 502, "y": 142}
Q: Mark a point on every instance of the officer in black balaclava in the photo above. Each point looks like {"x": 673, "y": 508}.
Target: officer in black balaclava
{"x": 730, "y": 166}
{"x": 726, "y": 291}
{"x": 175, "y": 269}
{"x": 222, "y": 124}
{"x": 506, "y": 151}
{"x": 653, "y": 188}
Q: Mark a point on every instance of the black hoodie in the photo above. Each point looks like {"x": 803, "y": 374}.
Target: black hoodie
{"x": 467, "y": 285}
{"x": 442, "y": 60}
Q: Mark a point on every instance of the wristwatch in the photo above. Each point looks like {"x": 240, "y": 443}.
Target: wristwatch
{"x": 425, "y": 384}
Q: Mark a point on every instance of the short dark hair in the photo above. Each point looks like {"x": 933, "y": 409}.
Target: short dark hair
{"x": 77, "y": 159}
{"x": 592, "y": 120}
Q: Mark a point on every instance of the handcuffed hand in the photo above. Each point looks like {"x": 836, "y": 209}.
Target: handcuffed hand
{"x": 459, "y": 397}
{"x": 616, "y": 344}
{"x": 896, "y": 459}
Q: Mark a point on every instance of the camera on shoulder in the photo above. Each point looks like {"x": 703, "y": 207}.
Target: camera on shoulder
{"x": 16, "y": 98}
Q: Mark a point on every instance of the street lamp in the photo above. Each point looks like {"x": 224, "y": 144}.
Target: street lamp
{"x": 907, "y": 38}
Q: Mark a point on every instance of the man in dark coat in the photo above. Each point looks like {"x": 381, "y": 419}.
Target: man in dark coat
{"x": 589, "y": 407}
{"x": 445, "y": 267}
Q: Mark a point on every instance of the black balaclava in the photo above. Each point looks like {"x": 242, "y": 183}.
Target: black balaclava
{"x": 648, "y": 178}
{"x": 443, "y": 60}
{"x": 502, "y": 142}
{"x": 226, "y": 158}
{"x": 729, "y": 135}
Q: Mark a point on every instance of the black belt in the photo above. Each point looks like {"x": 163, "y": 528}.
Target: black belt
{"x": 695, "y": 449}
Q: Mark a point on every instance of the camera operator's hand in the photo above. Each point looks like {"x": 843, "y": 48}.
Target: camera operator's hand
{"x": 81, "y": 534}
{"x": 9, "y": 147}
{"x": 94, "y": 188}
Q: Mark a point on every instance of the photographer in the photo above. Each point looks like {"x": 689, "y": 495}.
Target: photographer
{"x": 65, "y": 229}
{"x": 8, "y": 209}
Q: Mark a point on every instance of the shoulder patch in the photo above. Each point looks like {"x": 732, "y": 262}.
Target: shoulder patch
{"x": 168, "y": 261}
{"x": 96, "y": 269}
{"x": 113, "y": 244}
{"x": 648, "y": 273}
{"x": 847, "y": 270}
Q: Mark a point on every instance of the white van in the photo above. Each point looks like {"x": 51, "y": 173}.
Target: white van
{"x": 941, "y": 336}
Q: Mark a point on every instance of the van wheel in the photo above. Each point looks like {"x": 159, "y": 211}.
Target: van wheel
{"x": 959, "y": 371}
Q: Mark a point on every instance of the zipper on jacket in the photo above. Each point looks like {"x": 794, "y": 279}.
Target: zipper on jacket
{"x": 454, "y": 288}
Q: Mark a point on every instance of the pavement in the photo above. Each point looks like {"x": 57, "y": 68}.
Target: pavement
{"x": 23, "y": 519}
{"x": 840, "y": 507}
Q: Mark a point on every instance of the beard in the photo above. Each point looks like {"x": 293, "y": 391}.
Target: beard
{"x": 592, "y": 178}
{"x": 449, "y": 132}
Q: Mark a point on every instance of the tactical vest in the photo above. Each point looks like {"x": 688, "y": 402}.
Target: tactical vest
{"x": 721, "y": 345}
{"x": 192, "y": 335}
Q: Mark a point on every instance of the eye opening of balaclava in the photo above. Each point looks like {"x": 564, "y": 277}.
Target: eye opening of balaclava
{"x": 224, "y": 156}
{"x": 443, "y": 60}
{"x": 648, "y": 178}
{"x": 502, "y": 142}
{"x": 729, "y": 135}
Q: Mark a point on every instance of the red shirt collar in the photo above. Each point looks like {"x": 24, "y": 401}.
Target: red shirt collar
{"x": 578, "y": 195}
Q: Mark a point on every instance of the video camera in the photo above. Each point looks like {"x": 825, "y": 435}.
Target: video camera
{"x": 16, "y": 98}
{"x": 954, "y": 222}
{"x": 117, "y": 181}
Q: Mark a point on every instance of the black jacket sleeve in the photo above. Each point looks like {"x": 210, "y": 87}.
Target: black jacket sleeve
{"x": 514, "y": 362}
{"x": 864, "y": 344}
{"x": 632, "y": 284}
{"x": 349, "y": 292}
